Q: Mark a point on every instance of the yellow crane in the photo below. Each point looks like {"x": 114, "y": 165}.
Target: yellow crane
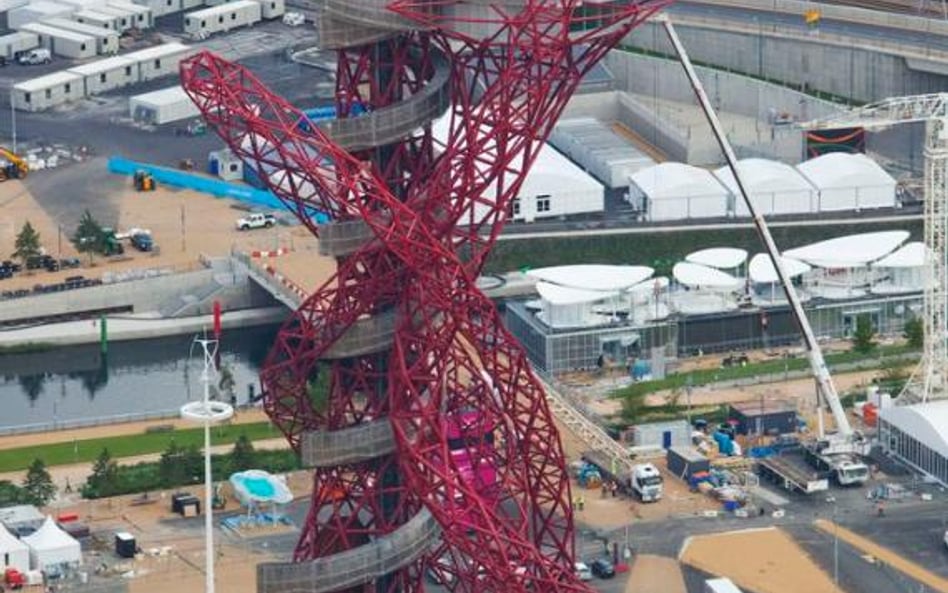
{"x": 16, "y": 167}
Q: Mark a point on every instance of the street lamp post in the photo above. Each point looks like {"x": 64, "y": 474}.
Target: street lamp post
{"x": 13, "y": 120}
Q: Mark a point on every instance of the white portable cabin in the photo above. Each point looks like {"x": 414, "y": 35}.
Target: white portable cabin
{"x": 97, "y": 19}
{"x": 67, "y": 44}
{"x": 271, "y": 9}
{"x": 107, "y": 40}
{"x": 15, "y": 43}
{"x": 160, "y": 60}
{"x": 161, "y": 7}
{"x": 123, "y": 19}
{"x": 6, "y": 6}
{"x": 217, "y": 19}
{"x": 162, "y": 107}
{"x": 81, "y": 4}
{"x": 38, "y": 94}
{"x": 37, "y": 11}
{"x": 104, "y": 75}
{"x": 143, "y": 17}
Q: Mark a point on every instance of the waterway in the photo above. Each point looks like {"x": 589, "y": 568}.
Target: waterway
{"x": 79, "y": 384}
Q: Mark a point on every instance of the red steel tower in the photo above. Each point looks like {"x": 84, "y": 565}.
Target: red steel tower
{"x": 434, "y": 452}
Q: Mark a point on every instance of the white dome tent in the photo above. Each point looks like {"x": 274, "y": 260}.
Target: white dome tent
{"x": 51, "y": 547}
{"x": 774, "y": 187}
{"x": 13, "y": 552}
{"x": 900, "y": 272}
{"x": 842, "y": 264}
{"x": 849, "y": 182}
{"x": 674, "y": 191}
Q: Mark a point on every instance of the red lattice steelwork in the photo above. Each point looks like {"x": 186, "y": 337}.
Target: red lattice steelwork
{"x": 474, "y": 443}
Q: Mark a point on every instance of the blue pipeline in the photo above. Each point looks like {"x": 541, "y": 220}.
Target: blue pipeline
{"x": 214, "y": 187}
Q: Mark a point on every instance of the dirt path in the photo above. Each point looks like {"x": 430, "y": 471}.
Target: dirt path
{"x": 656, "y": 574}
{"x": 112, "y": 430}
{"x": 900, "y": 563}
{"x": 761, "y": 560}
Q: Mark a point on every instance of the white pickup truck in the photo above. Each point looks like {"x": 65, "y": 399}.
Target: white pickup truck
{"x": 256, "y": 221}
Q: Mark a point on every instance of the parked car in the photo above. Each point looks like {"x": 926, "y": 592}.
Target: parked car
{"x": 582, "y": 571}
{"x": 12, "y": 265}
{"x": 256, "y": 221}
{"x": 142, "y": 242}
{"x": 69, "y": 262}
{"x": 39, "y": 55}
{"x": 602, "y": 568}
{"x": 6, "y": 273}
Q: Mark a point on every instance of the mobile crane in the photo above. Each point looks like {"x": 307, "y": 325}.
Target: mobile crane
{"x": 837, "y": 453}
{"x": 15, "y": 167}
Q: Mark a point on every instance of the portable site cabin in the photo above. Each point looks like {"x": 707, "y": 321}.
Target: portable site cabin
{"x": 217, "y": 19}
{"x": 6, "y": 6}
{"x": 142, "y": 15}
{"x": 162, "y": 107}
{"x": 107, "y": 40}
{"x": 271, "y": 9}
{"x": 160, "y": 60}
{"x": 81, "y": 4}
{"x": 104, "y": 75}
{"x": 161, "y": 7}
{"x": 37, "y": 11}
{"x": 97, "y": 19}
{"x": 16, "y": 43}
{"x": 67, "y": 44}
{"x": 37, "y": 94}
{"x": 123, "y": 20}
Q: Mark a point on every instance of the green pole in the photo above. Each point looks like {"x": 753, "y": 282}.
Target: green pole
{"x": 103, "y": 335}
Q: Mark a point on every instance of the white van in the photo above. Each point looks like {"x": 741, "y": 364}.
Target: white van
{"x": 35, "y": 56}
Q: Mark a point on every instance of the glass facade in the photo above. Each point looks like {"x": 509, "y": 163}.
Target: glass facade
{"x": 913, "y": 452}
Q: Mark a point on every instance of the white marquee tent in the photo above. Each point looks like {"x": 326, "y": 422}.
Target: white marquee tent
{"x": 51, "y": 546}
{"x": 674, "y": 191}
{"x": 774, "y": 187}
{"x": 849, "y": 182}
{"x": 13, "y": 552}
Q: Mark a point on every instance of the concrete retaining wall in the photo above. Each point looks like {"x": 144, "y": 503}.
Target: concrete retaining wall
{"x": 840, "y": 67}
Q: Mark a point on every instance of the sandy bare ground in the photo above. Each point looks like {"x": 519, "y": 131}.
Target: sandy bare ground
{"x": 655, "y": 574}
{"x": 185, "y": 225}
{"x": 760, "y": 560}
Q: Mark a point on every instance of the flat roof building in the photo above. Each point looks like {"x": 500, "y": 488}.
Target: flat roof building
{"x": 61, "y": 42}
{"x": 104, "y": 75}
{"x": 41, "y": 93}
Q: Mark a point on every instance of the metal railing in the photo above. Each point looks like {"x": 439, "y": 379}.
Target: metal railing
{"x": 365, "y": 336}
{"x": 349, "y": 445}
{"x": 353, "y": 567}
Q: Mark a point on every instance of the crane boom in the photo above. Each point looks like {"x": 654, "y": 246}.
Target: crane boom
{"x": 815, "y": 354}
{"x": 886, "y": 113}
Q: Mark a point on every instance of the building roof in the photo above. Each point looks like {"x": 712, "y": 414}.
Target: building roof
{"x": 168, "y": 96}
{"x": 926, "y": 423}
{"x": 843, "y": 170}
{"x": 594, "y": 276}
{"x": 698, "y": 276}
{"x": 564, "y": 295}
{"x": 677, "y": 180}
{"x": 13, "y": 37}
{"x": 57, "y": 32}
{"x": 758, "y": 407}
{"x": 849, "y": 251}
{"x": 84, "y": 28}
{"x": 158, "y": 51}
{"x": 41, "y": 83}
{"x": 113, "y": 11}
{"x": 106, "y": 65}
{"x": 9, "y": 542}
{"x": 21, "y": 513}
{"x": 47, "y": 7}
{"x": 221, "y": 9}
{"x": 761, "y": 270}
{"x": 129, "y": 7}
{"x": 764, "y": 175}
{"x": 723, "y": 258}
{"x": 910, "y": 255}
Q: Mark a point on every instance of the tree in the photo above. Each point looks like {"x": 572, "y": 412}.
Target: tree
{"x": 89, "y": 237}
{"x": 38, "y": 484}
{"x": 11, "y": 494}
{"x": 243, "y": 456}
{"x": 863, "y": 341}
{"x": 104, "y": 479}
{"x": 27, "y": 243}
{"x": 914, "y": 332}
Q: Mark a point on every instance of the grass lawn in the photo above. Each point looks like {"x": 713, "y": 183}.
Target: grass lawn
{"x": 129, "y": 445}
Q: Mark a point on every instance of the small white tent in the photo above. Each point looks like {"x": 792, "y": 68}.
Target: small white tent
{"x": 674, "y": 191}
{"x": 849, "y": 182}
{"x": 13, "y": 552}
{"x": 51, "y": 546}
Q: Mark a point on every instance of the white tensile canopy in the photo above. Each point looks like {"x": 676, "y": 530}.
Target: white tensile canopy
{"x": 594, "y": 276}
{"x": 569, "y": 307}
{"x": 675, "y": 191}
{"x": 901, "y": 271}
{"x": 761, "y": 270}
{"x": 849, "y": 182}
{"x": 701, "y": 277}
{"x": 51, "y": 546}
{"x": 13, "y": 552}
{"x": 926, "y": 423}
{"x": 774, "y": 187}
{"x": 851, "y": 251}
{"x": 722, "y": 258}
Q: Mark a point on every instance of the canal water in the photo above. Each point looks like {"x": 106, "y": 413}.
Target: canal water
{"x": 78, "y": 385}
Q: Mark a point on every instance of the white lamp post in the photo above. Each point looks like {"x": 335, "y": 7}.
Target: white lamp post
{"x": 206, "y": 411}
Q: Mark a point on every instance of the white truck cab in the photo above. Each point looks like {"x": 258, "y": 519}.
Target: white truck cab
{"x": 256, "y": 221}
{"x": 646, "y": 482}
